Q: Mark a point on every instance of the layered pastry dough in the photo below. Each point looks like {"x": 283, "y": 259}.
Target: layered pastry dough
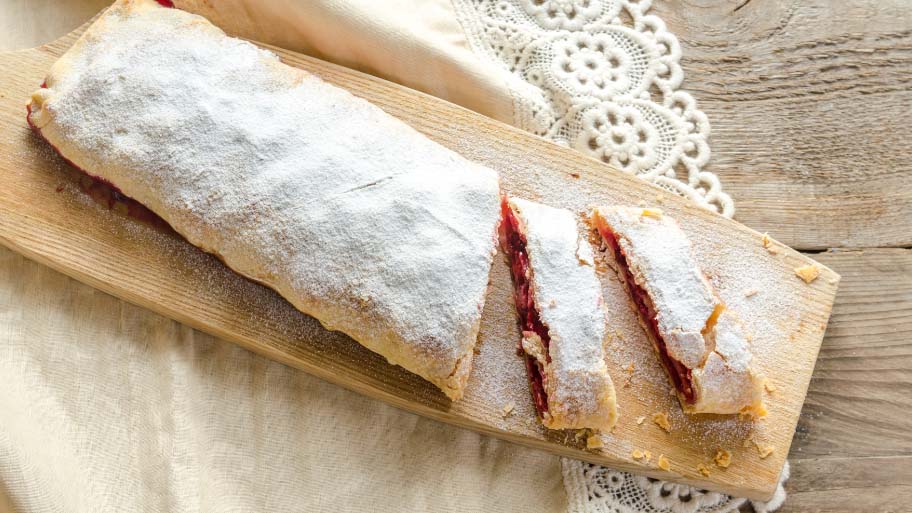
{"x": 562, "y": 316}
{"x": 702, "y": 345}
{"x": 347, "y": 212}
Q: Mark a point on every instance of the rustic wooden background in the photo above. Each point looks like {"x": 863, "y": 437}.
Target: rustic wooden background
{"x": 809, "y": 103}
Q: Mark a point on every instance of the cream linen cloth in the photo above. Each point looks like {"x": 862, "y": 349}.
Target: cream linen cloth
{"x": 105, "y": 406}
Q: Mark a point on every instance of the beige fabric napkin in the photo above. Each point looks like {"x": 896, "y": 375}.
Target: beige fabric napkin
{"x": 105, "y": 406}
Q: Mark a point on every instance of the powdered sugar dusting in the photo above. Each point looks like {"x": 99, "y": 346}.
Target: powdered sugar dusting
{"x": 661, "y": 260}
{"x": 568, "y": 298}
{"x": 344, "y": 210}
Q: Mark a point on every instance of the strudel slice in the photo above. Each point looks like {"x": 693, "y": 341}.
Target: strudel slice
{"x": 702, "y": 344}
{"x": 561, "y": 314}
{"x": 351, "y": 215}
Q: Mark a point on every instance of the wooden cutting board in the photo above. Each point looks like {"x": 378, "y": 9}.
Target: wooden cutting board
{"x": 45, "y": 215}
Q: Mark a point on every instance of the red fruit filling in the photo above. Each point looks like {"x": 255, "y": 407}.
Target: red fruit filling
{"x": 680, "y": 375}
{"x": 529, "y": 321}
{"x": 166, "y": 3}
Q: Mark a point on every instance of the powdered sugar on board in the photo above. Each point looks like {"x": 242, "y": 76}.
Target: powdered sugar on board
{"x": 748, "y": 279}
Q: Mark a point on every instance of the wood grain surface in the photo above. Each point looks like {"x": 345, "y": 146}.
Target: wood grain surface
{"x": 42, "y": 216}
{"x": 853, "y": 448}
{"x": 809, "y": 103}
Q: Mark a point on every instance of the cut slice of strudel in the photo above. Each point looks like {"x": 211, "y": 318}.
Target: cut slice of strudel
{"x": 561, "y": 314}
{"x": 351, "y": 215}
{"x": 701, "y": 344}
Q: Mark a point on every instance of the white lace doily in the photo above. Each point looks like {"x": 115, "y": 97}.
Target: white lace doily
{"x": 594, "y": 489}
{"x": 601, "y": 76}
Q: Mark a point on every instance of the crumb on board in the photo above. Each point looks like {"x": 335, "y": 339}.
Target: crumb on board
{"x": 641, "y": 203}
{"x": 594, "y": 441}
{"x": 508, "y": 409}
{"x": 640, "y": 419}
{"x": 751, "y": 293}
{"x": 723, "y": 458}
{"x": 637, "y": 454}
{"x": 630, "y": 367}
{"x": 808, "y": 273}
{"x": 660, "y": 198}
{"x": 764, "y": 451}
{"x": 663, "y": 463}
{"x": 769, "y": 386}
{"x": 768, "y": 244}
{"x": 703, "y": 469}
{"x": 647, "y": 455}
{"x": 652, "y": 212}
{"x": 661, "y": 420}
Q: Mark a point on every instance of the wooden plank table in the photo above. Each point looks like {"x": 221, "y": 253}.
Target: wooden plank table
{"x": 809, "y": 103}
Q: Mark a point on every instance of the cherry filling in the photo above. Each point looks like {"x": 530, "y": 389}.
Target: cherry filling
{"x": 680, "y": 375}
{"x": 529, "y": 320}
{"x": 166, "y": 3}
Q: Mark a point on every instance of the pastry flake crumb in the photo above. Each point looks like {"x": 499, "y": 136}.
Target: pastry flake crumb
{"x": 630, "y": 367}
{"x": 808, "y": 273}
{"x": 753, "y": 412}
{"x": 751, "y": 293}
{"x": 508, "y": 409}
{"x": 641, "y": 419}
{"x": 769, "y": 386}
{"x": 641, "y": 203}
{"x": 703, "y": 469}
{"x": 660, "y": 198}
{"x": 765, "y": 451}
{"x": 637, "y": 454}
{"x": 647, "y": 455}
{"x": 663, "y": 463}
{"x": 768, "y": 244}
{"x": 723, "y": 458}
{"x": 594, "y": 441}
{"x": 661, "y": 420}
{"x": 654, "y": 213}
{"x": 552, "y": 303}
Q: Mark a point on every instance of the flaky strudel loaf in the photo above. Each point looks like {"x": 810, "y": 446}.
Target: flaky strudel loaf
{"x": 701, "y": 343}
{"x": 348, "y": 213}
{"x": 561, "y": 314}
